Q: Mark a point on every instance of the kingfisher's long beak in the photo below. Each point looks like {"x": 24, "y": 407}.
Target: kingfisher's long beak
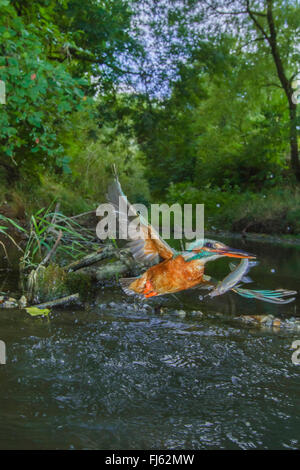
{"x": 232, "y": 253}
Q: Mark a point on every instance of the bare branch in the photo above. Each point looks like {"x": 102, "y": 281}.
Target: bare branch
{"x": 53, "y": 249}
{"x": 292, "y": 78}
{"x": 256, "y": 22}
{"x": 237, "y": 12}
{"x": 272, "y": 84}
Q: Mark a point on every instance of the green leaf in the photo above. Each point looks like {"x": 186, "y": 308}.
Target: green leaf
{"x": 34, "y": 311}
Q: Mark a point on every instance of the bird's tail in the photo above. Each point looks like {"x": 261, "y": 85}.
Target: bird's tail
{"x": 122, "y": 207}
{"x": 125, "y": 283}
{"x": 273, "y": 296}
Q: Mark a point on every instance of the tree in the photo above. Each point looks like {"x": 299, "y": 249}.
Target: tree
{"x": 48, "y": 53}
{"x": 271, "y": 25}
{"x": 40, "y": 95}
{"x": 219, "y": 126}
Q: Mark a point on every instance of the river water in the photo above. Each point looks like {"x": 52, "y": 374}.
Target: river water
{"x": 171, "y": 373}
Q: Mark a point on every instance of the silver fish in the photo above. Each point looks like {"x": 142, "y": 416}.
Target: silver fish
{"x": 232, "y": 279}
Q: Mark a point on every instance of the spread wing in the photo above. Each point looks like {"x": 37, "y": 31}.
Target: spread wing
{"x": 146, "y": 245}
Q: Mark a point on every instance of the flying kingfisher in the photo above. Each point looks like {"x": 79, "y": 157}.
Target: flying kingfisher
{"x": 173, "y": 271}
{"x": 177, "y": 270}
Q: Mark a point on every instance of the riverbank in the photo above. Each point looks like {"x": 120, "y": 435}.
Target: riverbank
{"x": 257, "y": 237}
{"x": 272, "y": 211}
{"x": 273, "y": 217}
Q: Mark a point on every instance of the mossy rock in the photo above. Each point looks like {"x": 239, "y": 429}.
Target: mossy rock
{"x": 47, "y": 283}
{"x": 52, "y": 282}
{"x": 78, "y": 282}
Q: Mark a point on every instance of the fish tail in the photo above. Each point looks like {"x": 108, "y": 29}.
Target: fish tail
{"x": 272, "y": 296}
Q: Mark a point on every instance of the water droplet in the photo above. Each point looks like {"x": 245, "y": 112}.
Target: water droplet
{"x": 181, "y": 313}
{"x": 234, "y": 380}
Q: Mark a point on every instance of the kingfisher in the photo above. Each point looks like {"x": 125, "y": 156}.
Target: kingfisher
{"x": 171, "y": 271}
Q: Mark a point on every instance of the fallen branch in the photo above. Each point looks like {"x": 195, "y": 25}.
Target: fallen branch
{"x": 108, "y": 271}
{"x": 62, "y": 301}
{"x": 91, "y": 259}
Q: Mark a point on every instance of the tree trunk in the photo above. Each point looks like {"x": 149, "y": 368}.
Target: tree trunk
{"x": 271, "y": 38}
{"x": 294, "y": 140}
{"x": 287, "y": 86}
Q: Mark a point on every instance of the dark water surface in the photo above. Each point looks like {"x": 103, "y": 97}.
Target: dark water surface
{"x": 120, "y": 374}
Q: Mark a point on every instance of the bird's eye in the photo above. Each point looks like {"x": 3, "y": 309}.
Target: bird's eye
{"x": 208, "y": 245}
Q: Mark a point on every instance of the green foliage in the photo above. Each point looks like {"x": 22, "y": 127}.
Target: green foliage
{"x": 157, "y": 89}
{"x": 98, "y": 35}
{"x": 93, "y": 150}
{"x": 218, "y": 126}
{"x": 39, "y": 96}
{"x": 48, "y": 52}
{"x": 274, "y": 210}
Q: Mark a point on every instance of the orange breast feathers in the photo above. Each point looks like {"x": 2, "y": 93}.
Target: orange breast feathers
{"x": 169, "y": 276}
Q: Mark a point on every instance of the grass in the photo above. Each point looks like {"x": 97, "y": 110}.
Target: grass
{"x": 49, "y": 232}
{"x": 6, "y": 224}
{"x": 52, "y": 230}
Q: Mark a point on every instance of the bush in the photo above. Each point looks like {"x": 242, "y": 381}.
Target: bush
{"x": 271, "y": 211}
